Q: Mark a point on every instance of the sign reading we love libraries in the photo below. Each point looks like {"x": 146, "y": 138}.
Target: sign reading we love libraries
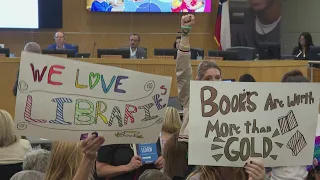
{"x": 232, "y": 122}
{"x": 61, "y": 99}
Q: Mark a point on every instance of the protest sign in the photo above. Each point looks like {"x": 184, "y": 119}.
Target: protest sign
{"x": 230, "y": 122}
{"x": 61, "y": 99}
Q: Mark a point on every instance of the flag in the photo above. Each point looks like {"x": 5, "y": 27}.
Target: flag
{"x": 222, "y": 33}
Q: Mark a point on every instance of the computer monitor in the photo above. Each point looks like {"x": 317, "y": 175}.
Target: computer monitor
{"x": 226, "y": 55}
{"x": 5, "y": 51}
{"x": 165, "y": 52}
{"x": 69, "y": 52}
{"x": 125, "y": 53}
{"x": 314, "y": 53}
{"x": 196, "y": 52}
{"x": 228, "y": 80}
{"x": 269, "y": 50}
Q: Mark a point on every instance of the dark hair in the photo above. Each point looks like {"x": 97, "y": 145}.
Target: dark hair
{"x": 174, "y": 44}
{"x": 247, "y": 78}
{"x": 294, "y": 76}
{"x": 204, "y": 66}
{"x": 136, "y": 35}
{"x": 307, "y": 36}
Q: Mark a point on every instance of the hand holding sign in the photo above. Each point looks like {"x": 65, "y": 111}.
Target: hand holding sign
{"x": 134, "y": 164}
{"x": 255, "y": 169}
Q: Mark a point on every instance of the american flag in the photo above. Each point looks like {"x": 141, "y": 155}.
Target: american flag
{"x": 222, "y": 33}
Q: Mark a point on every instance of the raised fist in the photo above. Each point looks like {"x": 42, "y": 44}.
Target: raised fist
{"x": 188, "y": 20}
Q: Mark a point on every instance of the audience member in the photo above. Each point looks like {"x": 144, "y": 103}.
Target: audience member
{"x": 171, "y": 125}
{"x": 177, "y": 42}
{"x": 12, "y": 148}
{"x": 73, "y": 160}
{"x": 175, "y": 154}
{"x": 207, "y": 71}
{"x": 136, "y": 52}
{"x": 118, "y": 162}
{"x": 29, "y": 47}
{"x": 36, "y": 160}
{"x": 28, "y": 175}
{"x": 153, "y": 174}
{"x": 304, "y": 43}
{"x": 60, "y": 38}
{"x": 247, "y": 78}
{"x": 291, "y": 172}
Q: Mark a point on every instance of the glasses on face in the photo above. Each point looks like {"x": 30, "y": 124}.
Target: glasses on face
{"x": 59, "y": 37}
{"x": 134, "y": 40}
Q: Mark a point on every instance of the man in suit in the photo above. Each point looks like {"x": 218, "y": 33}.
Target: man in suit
{"x": 136, "y": 52}
{"x": 60, "y": 38}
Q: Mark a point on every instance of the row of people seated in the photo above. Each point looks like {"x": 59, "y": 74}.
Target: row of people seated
{"x": 266, "y": 50}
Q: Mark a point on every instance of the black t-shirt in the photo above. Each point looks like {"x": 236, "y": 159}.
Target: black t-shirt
{"x": 121, "y": 154}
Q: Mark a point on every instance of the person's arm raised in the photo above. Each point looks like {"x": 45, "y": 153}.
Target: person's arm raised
{"x": 89, "y": 147}
{"x": 183, "y": 66}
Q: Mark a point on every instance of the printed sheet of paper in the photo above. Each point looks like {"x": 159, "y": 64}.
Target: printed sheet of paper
{"x": 61, "y": 99}
{"x": 274, "y": 122}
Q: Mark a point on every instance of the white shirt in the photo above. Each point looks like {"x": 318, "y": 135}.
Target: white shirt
{"x": 289, "y": 173}
{"x": 15, "y": 152}
{"x": 265, "y": 28}
{"x": 133, "y": 54}
{"x": 60, "y": 48}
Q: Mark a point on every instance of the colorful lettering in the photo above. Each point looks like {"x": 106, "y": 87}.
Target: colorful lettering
{"x": 80, "y": 86}
{"x": 103, "y": 83}
{"x": 99, "y": 113}
{"x": 118, "y": 83}
{"x": 82, "y": 113}
{"x": 157, "y": 100}
{"x": 36, "y": 73}
{"x": 27, "y": 112}
{"x": 92, "y": 76}
{"x": 53, "y": 71}
{"x": 128, "y": 113}
{"x": 59, "y": 113}
{"x": 115, "y": 114}
{"x": 146, "y": 109}
{"x": 163, "y": 87}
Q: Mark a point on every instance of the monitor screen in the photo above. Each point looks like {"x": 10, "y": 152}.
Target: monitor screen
{"x": 149, "y": 5}
{"x": 19, "y": 14}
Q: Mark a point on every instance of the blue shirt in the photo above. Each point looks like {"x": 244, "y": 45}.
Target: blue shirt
{"x": 101, "y": 7}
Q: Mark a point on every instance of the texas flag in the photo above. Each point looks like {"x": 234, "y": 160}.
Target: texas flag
{"x": 222, "y": 33}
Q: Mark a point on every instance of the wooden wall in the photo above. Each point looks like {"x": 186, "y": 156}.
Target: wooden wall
{"x": 112, "y": 30}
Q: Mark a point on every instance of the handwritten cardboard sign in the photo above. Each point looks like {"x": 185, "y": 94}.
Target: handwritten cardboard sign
{"x": 61, "y": 99}
{"x": 230, "y": 122}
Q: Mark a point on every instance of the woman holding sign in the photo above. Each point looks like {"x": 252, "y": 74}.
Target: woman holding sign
{"x": 207, "y": 71}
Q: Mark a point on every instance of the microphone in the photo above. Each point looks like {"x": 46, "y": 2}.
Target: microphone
{"x": 93, "y": 49}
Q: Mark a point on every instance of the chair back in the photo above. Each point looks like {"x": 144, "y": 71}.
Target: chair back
{"x": 8, "y": 170}
{"x": 244, "y": 53}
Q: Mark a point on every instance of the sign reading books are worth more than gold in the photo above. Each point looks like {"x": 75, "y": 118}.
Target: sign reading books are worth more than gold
{"x": 61, "y": 99}
{"x": 231, "y": 122}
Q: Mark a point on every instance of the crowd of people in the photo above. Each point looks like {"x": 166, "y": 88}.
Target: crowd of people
{"x": 89, "y": 160}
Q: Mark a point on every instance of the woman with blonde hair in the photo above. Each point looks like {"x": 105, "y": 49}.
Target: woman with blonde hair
{"x": 74, "y": 161}
{"x": 207, "y": 71}
{"x": 12, "y": 148}
{"x": 171, "y": 125}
